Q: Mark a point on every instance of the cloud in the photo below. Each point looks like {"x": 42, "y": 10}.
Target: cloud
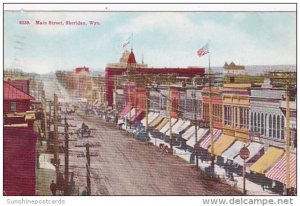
{"x": 229, "y": 42}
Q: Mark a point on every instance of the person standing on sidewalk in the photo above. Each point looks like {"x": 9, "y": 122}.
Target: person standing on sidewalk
{"x": 53, "y": 188}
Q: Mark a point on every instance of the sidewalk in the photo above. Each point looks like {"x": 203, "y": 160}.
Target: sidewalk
{"x": 252, "y": 188}
{"x": 45, "y": 172}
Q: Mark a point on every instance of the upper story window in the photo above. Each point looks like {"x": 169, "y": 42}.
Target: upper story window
{"x": 13, "y": 106}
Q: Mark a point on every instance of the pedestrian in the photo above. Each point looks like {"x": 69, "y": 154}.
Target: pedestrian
{"x": 53, "y": 188}
{"x": 84, "y": 192}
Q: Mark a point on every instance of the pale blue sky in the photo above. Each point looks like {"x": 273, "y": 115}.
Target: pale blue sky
{"x": 165, "y": 39}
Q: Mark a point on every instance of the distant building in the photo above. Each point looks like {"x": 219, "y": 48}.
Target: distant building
{"x": 112, "y": 71}
{"x": 233, "y": 69}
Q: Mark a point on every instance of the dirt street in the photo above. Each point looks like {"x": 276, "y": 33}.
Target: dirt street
{"x": 126, "y": 166}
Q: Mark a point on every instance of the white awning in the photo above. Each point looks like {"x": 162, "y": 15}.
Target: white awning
{"x": 188, "y": 133}
{"x": 175, "y": 126}
{"x": 185, "y": 124}
{"x": 131, "y": 113}
{"x": 149, "y": 116}
{"x": 233, "y": 150}
{"x": 167, "y": 126}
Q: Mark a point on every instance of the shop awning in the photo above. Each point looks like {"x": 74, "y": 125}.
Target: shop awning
{"x": 162, "y": 124}
{"x": 130, "y": 114}
{"x": 188, "y": 133}
{"x": 95, "y": 102}
{"x": 177, "y": 125}
{"x": 254, "y": 149}
{"x": 234, "y": 150}
{"x": 205, "y": 142}
{"x": 200, "y": 134}
{"x": 174, "y": 127}
{"x": 278, "y": 171}
{"x": 138, "y": 116}
{"x": 156, "y": 121}
{"x": 222, "y": 144}
{"x": 153, "y": 117}
{"x": 266, "y": 161}
{"x": 125, "y": 111}
{"x": 185, "y": 125}
{"x": 167, "y": 126}
{"x": 144, "y": 119}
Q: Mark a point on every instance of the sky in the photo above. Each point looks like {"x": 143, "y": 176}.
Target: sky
{"x": 163, "y": 39}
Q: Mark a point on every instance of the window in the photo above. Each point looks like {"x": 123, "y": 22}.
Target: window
{"x": 262, "y": 124}
{"x": 258, "y": 121}
{"x": 206, "y": 112}
{"x": 265, "y": 131}
{"x": 252, "y": 121}
{"x": 270, "y": 126}
{"x": 241, "y": 117}
{"x": 274, "y": 126}
{"x": 255, "y": 122}
{"x": 282, "y": 127}
{"x": 278, "y": 127}
{"x": 13, "y": 106}
{"x": 236, "y": 117}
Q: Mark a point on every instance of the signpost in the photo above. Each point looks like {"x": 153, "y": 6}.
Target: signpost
{"x": 244, "y": 154}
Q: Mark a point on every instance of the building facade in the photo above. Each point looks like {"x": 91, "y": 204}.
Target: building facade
{"x": 236, "y": 99}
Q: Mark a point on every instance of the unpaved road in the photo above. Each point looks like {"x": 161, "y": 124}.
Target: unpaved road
{"x": 126, "y": 166}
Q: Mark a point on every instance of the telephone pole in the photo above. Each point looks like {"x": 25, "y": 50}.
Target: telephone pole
{"x": 196, "y": 129}
{"x": 56, "y": 161}
{"x": 147, "y": 108}
{"x": 288, "y": 79}
{"x": 211, "y": 126}
{"x": 170, "y": 111}
{"x": 288, "y": 141}
{"x": 66, "y": 191}
{"x": 88, "y": 156}
{"x": 88, "y": 165}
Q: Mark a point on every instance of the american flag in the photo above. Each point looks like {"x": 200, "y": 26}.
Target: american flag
{"x": 126, "y": 43}
{"x": 204, "y": 50}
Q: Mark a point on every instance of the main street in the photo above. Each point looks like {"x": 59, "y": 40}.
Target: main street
{"x": 126, "y": 166}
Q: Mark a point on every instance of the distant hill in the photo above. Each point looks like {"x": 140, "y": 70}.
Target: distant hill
{"x": 260, "y": 69}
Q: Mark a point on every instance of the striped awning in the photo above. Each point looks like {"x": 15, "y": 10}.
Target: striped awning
{"x": 205, "y": 142}
{"x": 278, "y": 171}
{"x": 266, "y": 161}
{"x": 222, "y": 144}
{"x": 200, "y": 133}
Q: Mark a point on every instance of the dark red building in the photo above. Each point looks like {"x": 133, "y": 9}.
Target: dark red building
{"x": 19, "y": 147}
{"x": 217, "y": 105}
{"x": 15, "y": 100}
{"x": 111, "y": 72}
{"x": 20, "y": 84}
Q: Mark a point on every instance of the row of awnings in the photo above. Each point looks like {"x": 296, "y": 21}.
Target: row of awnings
{"x": 130, "y": 114}
{"x": 271, "y": 162}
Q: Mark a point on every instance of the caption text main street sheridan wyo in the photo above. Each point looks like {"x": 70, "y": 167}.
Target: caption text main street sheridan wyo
{"x": 61, "y": 23}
